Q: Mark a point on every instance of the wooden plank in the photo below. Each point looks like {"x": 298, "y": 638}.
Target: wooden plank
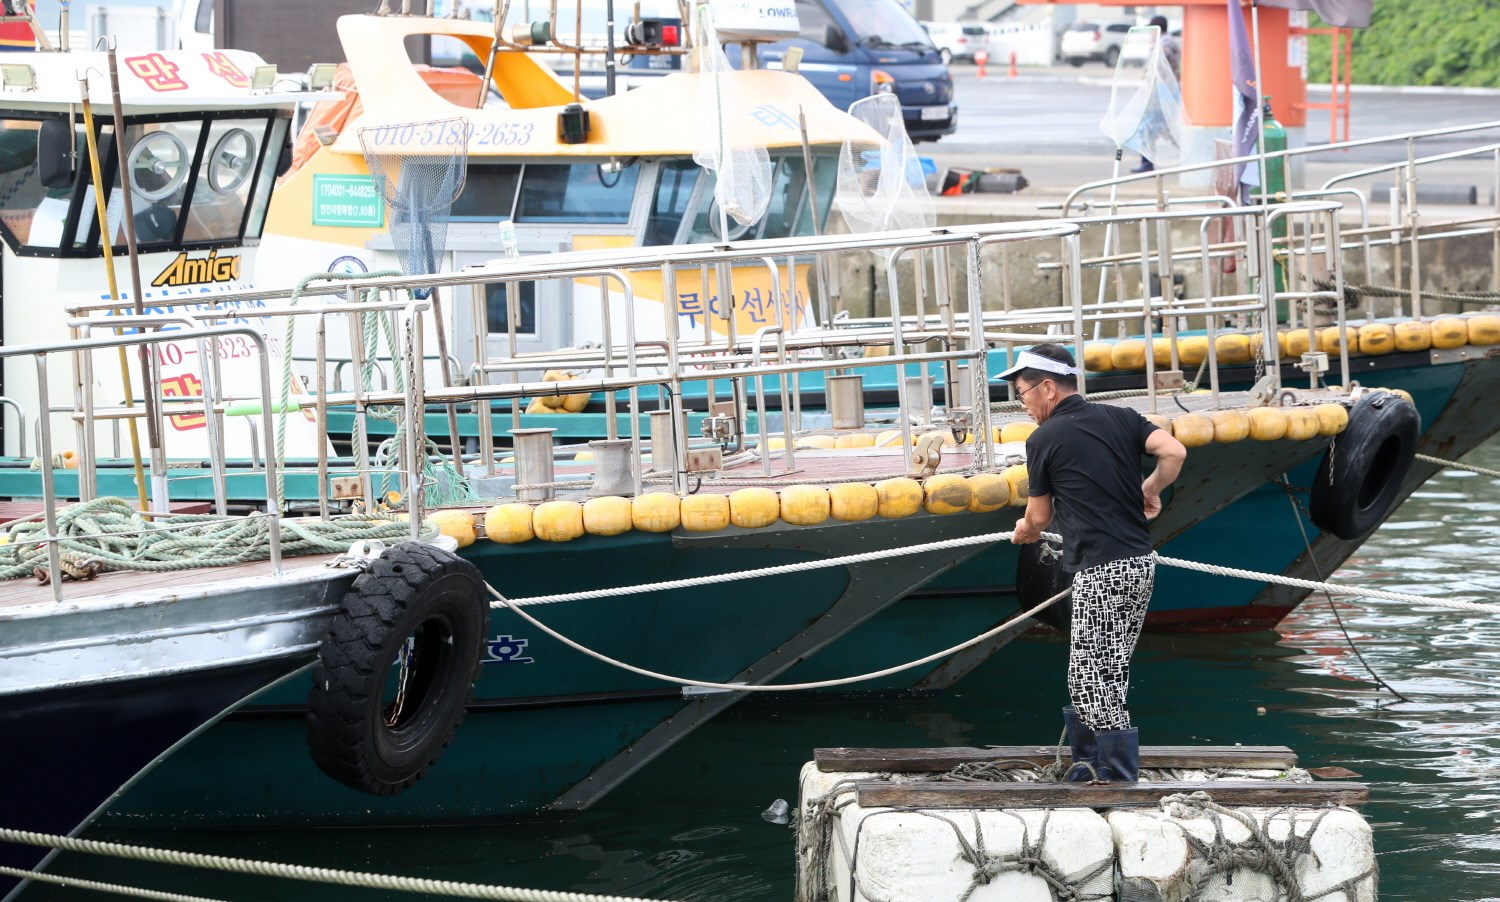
{"x": 1104, "y": 795}
{"x": 11, "y": 511}
{"x": 941, "y": 760}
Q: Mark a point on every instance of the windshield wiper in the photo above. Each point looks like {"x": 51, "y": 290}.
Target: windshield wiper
{"x": 918, "y": 45}
{"x": 877, "y": 41}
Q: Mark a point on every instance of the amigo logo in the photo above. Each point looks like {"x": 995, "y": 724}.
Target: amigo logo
{"x": 185, "y": 271}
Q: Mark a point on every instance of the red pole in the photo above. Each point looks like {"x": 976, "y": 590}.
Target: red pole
{"x": 1012, "y": 73}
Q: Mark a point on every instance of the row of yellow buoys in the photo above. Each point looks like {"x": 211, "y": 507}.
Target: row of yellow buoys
{"x": 747, "y": 508}
{"x": 1010, "y": 432}
{"x": 574, "y": 403}
{"x": 1233, "y": 348}
{"x": 1265, "y": 424}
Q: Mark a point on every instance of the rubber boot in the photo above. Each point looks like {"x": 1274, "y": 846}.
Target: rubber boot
{"x": 1119, "y": 755}
{"x": 1081, "y": 742}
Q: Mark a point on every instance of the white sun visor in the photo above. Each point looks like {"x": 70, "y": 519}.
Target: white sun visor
{"x": 1029, "y": 361}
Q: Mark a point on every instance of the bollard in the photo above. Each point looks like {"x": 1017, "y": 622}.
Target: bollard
{"x": 846, "y": 401}
{"x": 1012, "y": 73}
{"x": 613, "y": 469}
{"x": 533, "y": 450}
{"x": 981, "y": 58}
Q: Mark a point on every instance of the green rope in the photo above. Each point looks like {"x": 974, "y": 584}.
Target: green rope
{"x": 106, "y": 534}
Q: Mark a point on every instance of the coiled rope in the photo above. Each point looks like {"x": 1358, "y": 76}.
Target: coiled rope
{"x": 305, "y": 873}
{"x": 107, "y": 534}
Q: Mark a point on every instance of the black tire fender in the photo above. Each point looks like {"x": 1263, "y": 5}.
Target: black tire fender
{"x": 416, "y": 606}
{"x": 1039, "y": 576}
{"x": 1360, "y": 477}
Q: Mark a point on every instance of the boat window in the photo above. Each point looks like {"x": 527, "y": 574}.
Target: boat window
{"x": 498, "y": 313}
{"x": 580, "y": 192}
{"x": 225, "y": 175}
{"x": 30, "y": 214}
{"x": 267, "y": 178}
{"x": 674, "y": 193}
{"x": 886, "y": 23}
{"x": 788, "y": 212}
{"x": 159, "y": 160}
{"x": 489, "y": 193}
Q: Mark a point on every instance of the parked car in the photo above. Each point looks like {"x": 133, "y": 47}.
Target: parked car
{"x": 1093, "y": 41}
{"x": 958, "y": 40}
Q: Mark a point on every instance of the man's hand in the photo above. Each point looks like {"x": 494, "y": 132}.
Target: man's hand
{"x": 1153, "y": 503}
{"x": 1025, "y": 533}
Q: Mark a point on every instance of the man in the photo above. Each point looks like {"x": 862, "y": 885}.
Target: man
{"x": 1084, "y": 468}
{"x": 1171, "y": 49}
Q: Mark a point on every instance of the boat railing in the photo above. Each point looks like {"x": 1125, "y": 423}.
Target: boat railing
{"x": 15, "y": 405}
{"x": 83, "y": 411}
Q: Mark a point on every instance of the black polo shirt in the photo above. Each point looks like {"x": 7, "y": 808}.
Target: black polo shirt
{"x": 1088, "y": 458}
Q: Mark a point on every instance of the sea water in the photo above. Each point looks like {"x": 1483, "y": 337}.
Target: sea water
{"x": 689, "y": 827}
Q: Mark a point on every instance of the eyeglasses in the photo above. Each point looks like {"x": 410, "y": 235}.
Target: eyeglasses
{"x": 1022, "y": 393}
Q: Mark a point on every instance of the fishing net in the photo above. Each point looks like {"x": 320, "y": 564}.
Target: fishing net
{"x": 1145, "y": 104}
{"x": 881, "y": 185}
{"x": 742, "y": 187}
{"x": 418, "y": 170}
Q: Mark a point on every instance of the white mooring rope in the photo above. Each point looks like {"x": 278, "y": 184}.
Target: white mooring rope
{"x": 1455, "y": 465}
{"x": 134, "y": 892}
{"x": 335, "y": 876}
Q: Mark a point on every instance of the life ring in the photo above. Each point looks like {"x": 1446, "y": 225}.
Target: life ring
{"x": 397, "y": 669}
{"x": 1360, "y": 477}
{"x": 1039, "y": 576}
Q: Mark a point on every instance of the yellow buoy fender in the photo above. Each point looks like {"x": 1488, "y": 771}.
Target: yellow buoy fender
{"x": 1192, "y": 350}
{"x": 1297, "y": 343}
{"x": 558, "y": 521}
{"x": 458, "y": 525}
{"x": 1403, "y": 394}
{"x": 1159, "y": 421}
{"x": 856, "y": 440}
{"x": 1376, "y": 339}
{"x": 1230, "y": 425}
{"x": 1129, "y": 354}
{"x": 853, "y": 501}
{"x": 1267, "y": 424}
{"x": 705, "y": 512}
{"x": 1301, "y": 423}
{"x": 509, "y": 524}
{"x": 1161, "y": 349}
{"x": 804, "y": 505}
{"x": 607, "y": 516}
{"x": 753, "y": 508}
{"x": 1194, "y": 430}
{"x": 947, "y": 493}
{"x": 888, "y": 438}
{"x": 988, "y": 492}
{"x": 1413, "y": 336}
{"x": 1016, "y": 432}
{"x": 656, "y": 512}
{"x": 537, "y": 406}
{"x": 1484, "y": 330}
{"x": 775, "y": 443}
{"x": 816, "y": 441}
{"x": 1449, "y": 332}
{"x": 1020, "y": 486}
{"x": 575, "y": 403}
{"x": 1328, "y": 339}
{"x": 1332, "y": 418}
{"x": 899, "y": 497}
{"x": 1097, "y": 357}
{"x": 1232, "y": 348}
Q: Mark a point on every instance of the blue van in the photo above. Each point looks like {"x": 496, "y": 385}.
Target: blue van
{"x": 854, "y": 48}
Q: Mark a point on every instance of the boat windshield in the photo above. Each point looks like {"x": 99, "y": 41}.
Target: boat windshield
{"x": 200, "y": 180}
{"x": 788, "y": 214}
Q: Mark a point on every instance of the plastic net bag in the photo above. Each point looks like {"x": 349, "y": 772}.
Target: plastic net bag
{"x": 419, "y": 170}
{"x": 742, "y": 186}
{"x": 881, "y": 185}
{"x": 1145, "y": 103}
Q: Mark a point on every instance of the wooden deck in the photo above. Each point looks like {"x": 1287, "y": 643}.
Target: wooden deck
{"x": 11, "y": 511}
{"x": 1262, "y": 793}
{"x": 941, "y": 760}
{"x": 18, "y": 592}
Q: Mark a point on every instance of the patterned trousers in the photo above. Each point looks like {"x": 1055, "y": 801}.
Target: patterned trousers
{"x": 1109, "y": 608}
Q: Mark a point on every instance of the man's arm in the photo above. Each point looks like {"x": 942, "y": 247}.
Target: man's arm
{"x": 1037, "y": 518}
{"x": 1169, "y": 454}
